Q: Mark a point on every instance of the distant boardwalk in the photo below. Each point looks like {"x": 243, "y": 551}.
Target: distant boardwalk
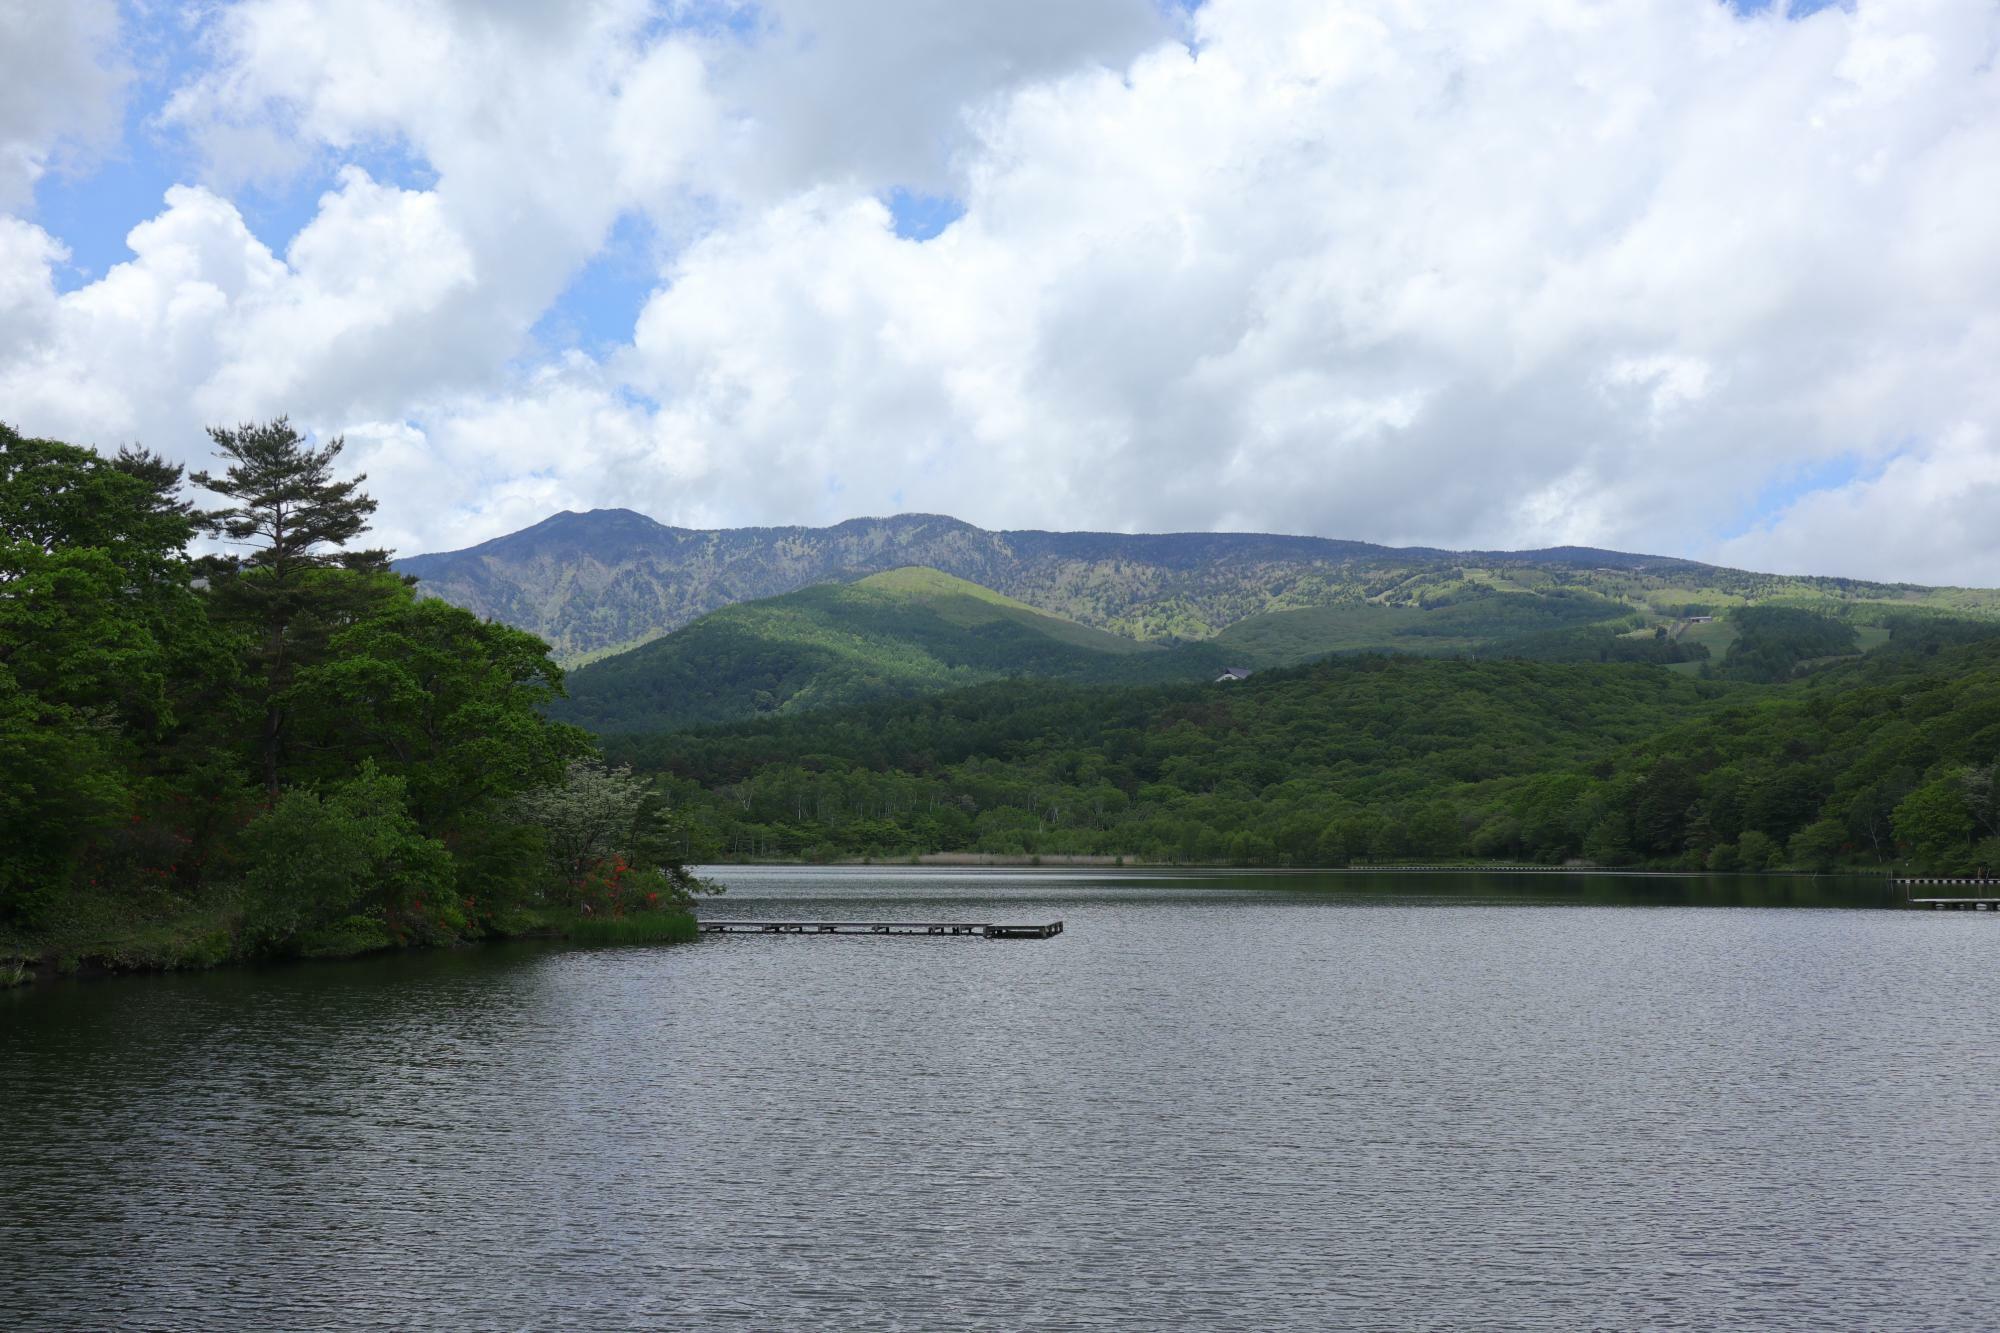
{"x": 1963, "y": 902}
{"x": 1955, "y": 903}
{"x": 985, "y": 929}
{"x": 1503, "y": 868}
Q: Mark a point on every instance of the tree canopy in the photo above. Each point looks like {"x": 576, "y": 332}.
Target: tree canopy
{"x": 285, "y": 751}
{"x": 1880, "y": 762}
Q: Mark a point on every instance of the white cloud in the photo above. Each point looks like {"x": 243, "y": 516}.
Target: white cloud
{"x": 1528, "y": 272}
{"x": 878, "y": 93}
{"x": 28, "y": 256}
{"x": 1926, "y": 516}
{"x": 117, "y": 357}
{"x": 59, "y": 86}
{"x": 205, "y": 324}
{"x": 380, "y": 305}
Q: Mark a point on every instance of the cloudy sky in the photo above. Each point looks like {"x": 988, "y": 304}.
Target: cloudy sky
{"x": 1678, "y": 276}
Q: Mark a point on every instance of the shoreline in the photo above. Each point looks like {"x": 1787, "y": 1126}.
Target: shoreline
{"x": 195, "y": 945}
{"x": 144, "y": 953}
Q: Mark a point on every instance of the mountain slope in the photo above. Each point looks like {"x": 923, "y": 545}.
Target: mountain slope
{"x": 594, "y": 583}
{"x": 899, "y": 633}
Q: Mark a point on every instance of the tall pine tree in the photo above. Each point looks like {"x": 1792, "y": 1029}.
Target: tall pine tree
{"x": 289, "y": 508}
{"x": 298, "y": 582}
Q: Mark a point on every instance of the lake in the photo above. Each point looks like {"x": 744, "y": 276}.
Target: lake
{"x": 1216, "y": 1101}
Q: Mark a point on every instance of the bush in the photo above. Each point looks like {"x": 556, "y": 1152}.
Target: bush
{"x": 1817, "y": 846}
{"x": 345, "y": 938}
{"x": 1756, "y": 850}
{"x": 354, "y": 853}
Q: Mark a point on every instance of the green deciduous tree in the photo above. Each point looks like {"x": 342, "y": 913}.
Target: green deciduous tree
{"x": 1934, "y": 822}
{"x": 438, "y": 697}
{"x": 1817, "y": 846}
{"x": 1755, "y": 851}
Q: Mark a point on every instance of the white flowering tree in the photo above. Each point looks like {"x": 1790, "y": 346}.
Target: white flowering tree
{"x": 610, "y": 839}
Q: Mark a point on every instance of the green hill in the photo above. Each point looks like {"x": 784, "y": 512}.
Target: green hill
{"x": 895, "y": 634}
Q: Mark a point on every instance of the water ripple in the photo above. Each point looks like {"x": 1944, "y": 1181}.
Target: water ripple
{"x": 1201, "y": 1107}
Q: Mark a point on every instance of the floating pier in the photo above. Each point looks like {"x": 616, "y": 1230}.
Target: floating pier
{"x": 1967, "y": 903}
{"x": 986, "y": 929}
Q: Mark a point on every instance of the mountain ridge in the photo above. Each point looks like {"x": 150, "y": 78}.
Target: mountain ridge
{"x": 564, "y": 520}
{"x": 601, "y": 581}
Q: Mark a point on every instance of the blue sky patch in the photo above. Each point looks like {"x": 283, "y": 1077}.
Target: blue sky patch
{"x": 1787, "y": 488}
{"x": 599, "y": 308}
{"x": 1793, "y": 9}
{"x": 919, "y": 217}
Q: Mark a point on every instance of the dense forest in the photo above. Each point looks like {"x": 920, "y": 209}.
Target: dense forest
{"x": 1884, "y": 761}
{"x": 279, "y": 751}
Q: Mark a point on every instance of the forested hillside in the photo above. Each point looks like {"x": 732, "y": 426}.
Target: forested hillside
{"x": 1882, "y": 761}
{"x": 599, "y": 582}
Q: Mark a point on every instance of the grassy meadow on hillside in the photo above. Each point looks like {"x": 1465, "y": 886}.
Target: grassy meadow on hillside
{"x": 892, "y": 635}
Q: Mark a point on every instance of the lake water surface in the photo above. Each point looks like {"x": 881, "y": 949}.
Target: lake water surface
{"x": 1215, "y": 1101}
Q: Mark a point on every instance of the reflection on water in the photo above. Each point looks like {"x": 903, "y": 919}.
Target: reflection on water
{"x": 1214, "y": 1101}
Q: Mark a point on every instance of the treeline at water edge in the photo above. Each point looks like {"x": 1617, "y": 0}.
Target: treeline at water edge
{"x": 280, "y": 751}
{"x": 1877, "y": 762}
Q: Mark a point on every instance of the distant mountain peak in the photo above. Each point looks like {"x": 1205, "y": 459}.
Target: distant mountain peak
{"x": 606, "y": 579}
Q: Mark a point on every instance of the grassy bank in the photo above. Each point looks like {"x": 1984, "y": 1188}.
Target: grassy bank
{"x": 652, "y": 928}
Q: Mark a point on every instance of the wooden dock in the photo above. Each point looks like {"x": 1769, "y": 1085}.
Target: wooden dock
{"x": 1989, "y": 902}
{"x": 984, "y": 929}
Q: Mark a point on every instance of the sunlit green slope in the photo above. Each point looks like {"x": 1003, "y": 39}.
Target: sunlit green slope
{"x": 899, "y": 633}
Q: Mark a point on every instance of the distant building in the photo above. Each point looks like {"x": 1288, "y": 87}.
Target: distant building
{"x": 1233, "y": 673}
{"x": 1701, "y": 620}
